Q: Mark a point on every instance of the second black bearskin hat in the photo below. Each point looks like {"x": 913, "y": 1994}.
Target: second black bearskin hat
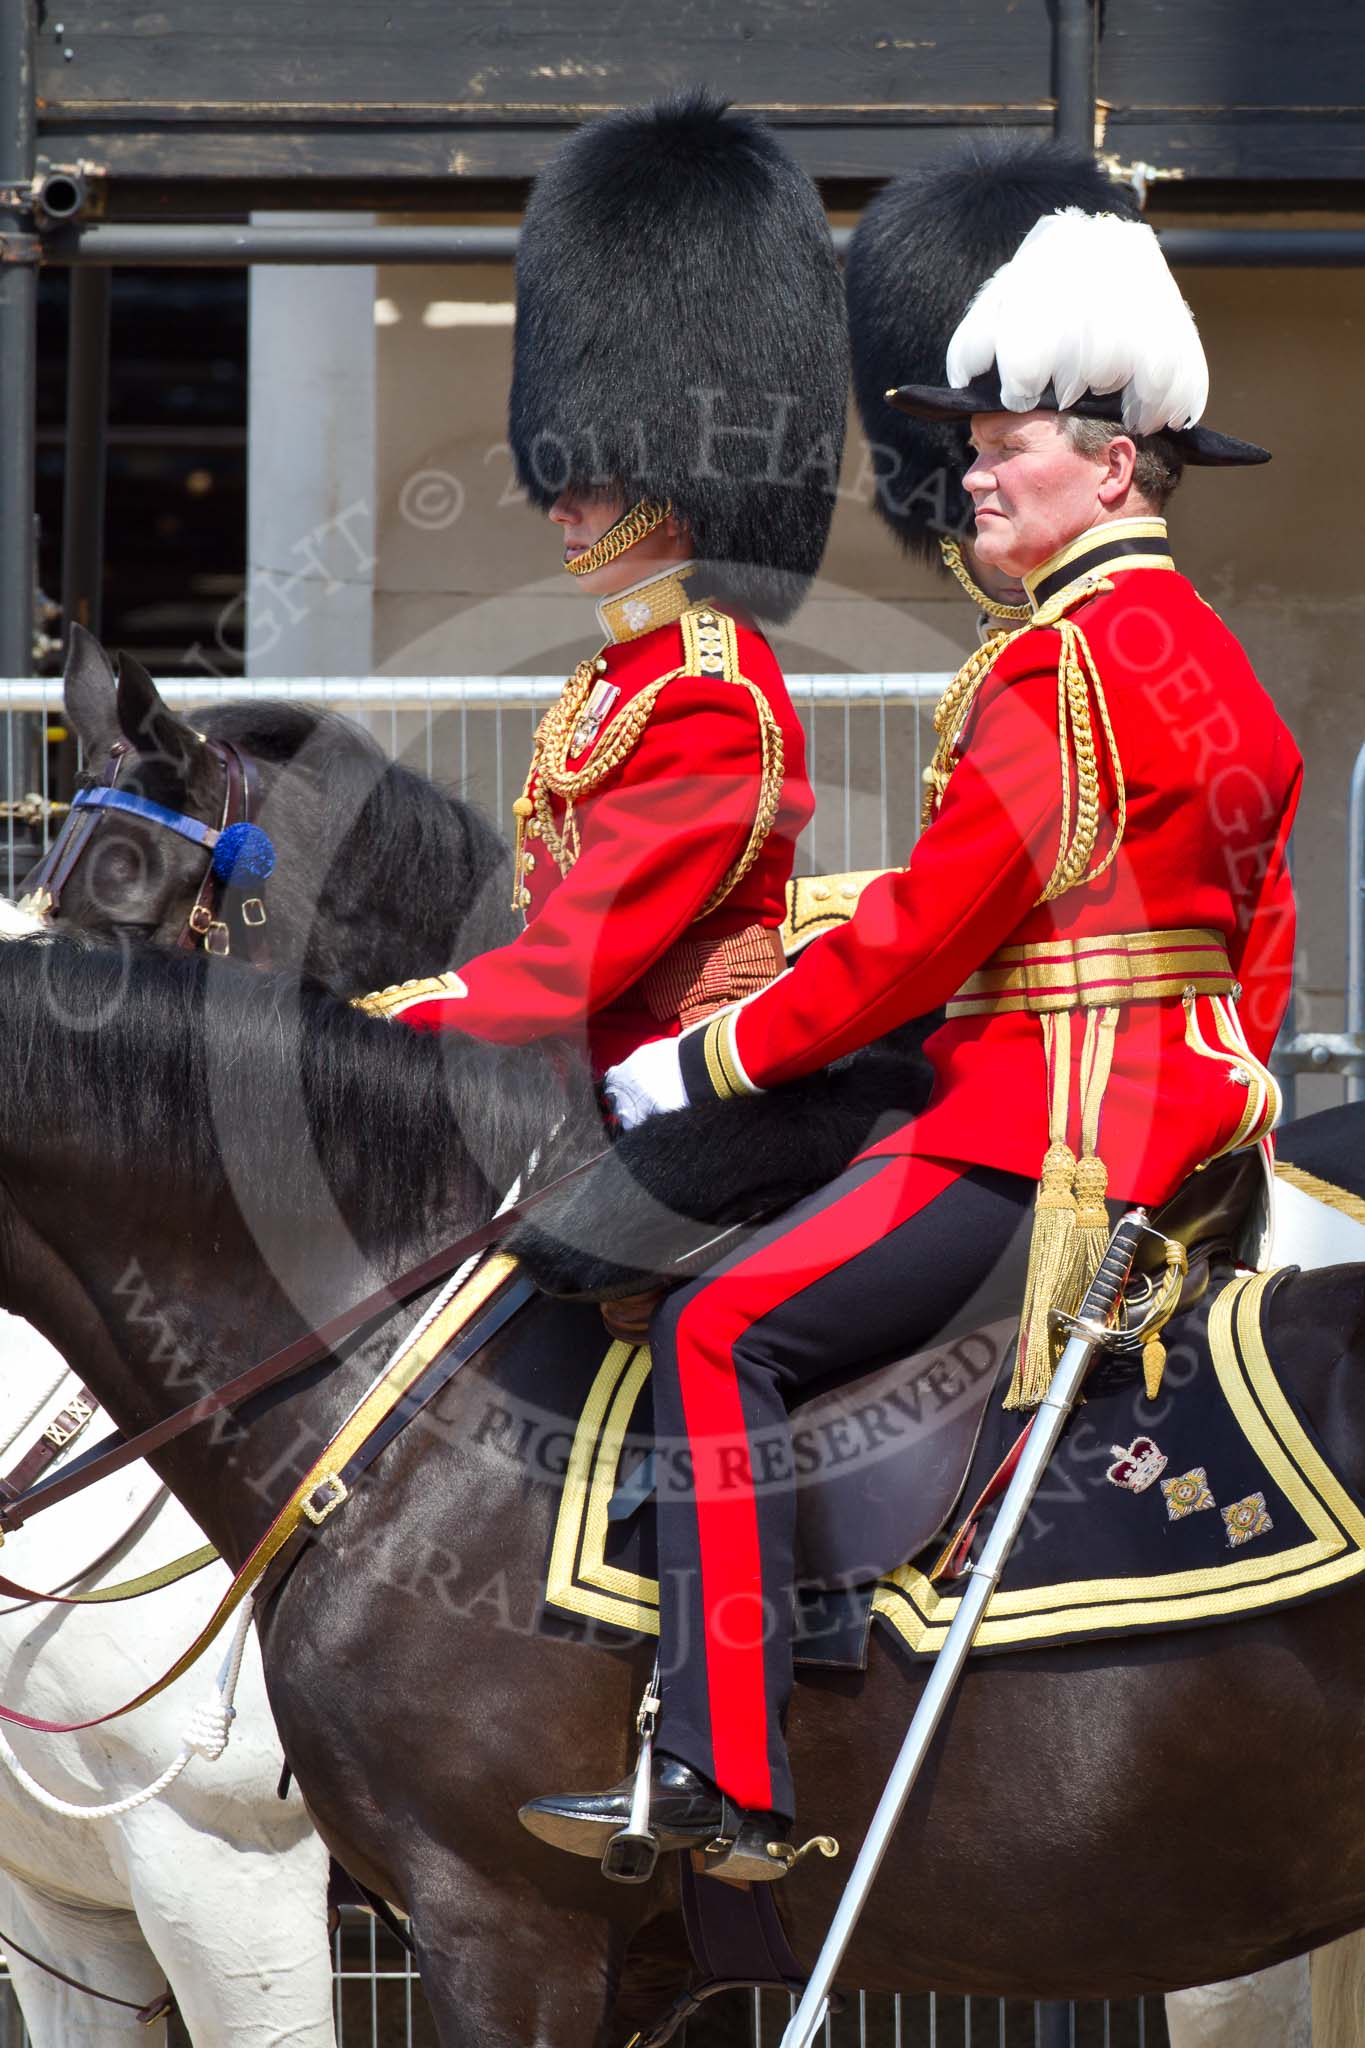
{"x": 920, "y": 252}
{"x": 681, "y": 336}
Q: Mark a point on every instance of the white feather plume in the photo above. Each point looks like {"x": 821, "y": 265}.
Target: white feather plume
{"x": 1086, "y": 303}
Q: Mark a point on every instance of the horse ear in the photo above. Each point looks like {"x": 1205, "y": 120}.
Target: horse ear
{"x": 147, "y": 720}
{"x": 90, "y": 693}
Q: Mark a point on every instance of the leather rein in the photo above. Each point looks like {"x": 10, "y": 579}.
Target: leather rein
{"x": 313, "y": 1346}
{"x": 204, "y": 924}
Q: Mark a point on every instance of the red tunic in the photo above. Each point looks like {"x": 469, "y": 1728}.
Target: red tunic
{"x": 1212, "y": 779}
{"x": 656, "y": 839}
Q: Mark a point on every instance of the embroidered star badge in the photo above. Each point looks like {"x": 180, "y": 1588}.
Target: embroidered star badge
{"x": 1246, "y": 1519}
{"x": 1188, "y": 1495}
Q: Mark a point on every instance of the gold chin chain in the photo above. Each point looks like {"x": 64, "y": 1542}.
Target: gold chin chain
{"x": 952, "y": 561}
{"x": 641, "y": 520}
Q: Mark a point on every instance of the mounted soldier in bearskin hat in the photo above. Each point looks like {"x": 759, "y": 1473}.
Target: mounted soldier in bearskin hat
{"x": 1101, "y": 899}
{"x": 677, "y": 409}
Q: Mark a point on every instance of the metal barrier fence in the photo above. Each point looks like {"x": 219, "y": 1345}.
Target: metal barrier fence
{"x": 378, "y": 2003}
{"x": 868, "y": 738}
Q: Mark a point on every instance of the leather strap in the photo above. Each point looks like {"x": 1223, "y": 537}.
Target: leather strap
{"x": 66, "y": 1425}
{"x": 464, "y": 1325}
{"x": 159, "y": 2008}
{"x": 44, "y": 884}
{"x": 296, "y": 1357}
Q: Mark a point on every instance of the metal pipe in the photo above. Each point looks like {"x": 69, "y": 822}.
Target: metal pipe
{"x": 1075, "y": 48}
{"x": 87, "y": 418}
{"x": 445, "y": 693}
{"x": 18, "y": 336}
{"x": 188, "y": 247}
{"x": 1355, "y": 916}
{"x": 1264, "y": 248}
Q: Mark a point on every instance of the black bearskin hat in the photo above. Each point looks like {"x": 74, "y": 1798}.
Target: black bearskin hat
{"x": 681, "y": 336}
{"x": 917, "y": 257}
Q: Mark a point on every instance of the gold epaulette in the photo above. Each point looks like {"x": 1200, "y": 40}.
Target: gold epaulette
{"x": 401, "y": 995}
{"x": 816, "y": 903}
{"x": 710, "y": 644}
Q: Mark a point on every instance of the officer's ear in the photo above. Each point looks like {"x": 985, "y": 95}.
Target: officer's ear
{"x": 1120, "y": 459}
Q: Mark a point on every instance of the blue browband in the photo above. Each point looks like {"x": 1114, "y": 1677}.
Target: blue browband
{"x": 242, "y": 853}
{"x": 106, "y": 799}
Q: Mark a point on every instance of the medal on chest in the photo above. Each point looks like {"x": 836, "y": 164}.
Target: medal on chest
{"x": 601, "y": 699}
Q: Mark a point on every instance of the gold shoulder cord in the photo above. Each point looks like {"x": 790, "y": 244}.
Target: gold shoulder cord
{"x": 710, "y": 652}
{"x": 1077, "y": 680}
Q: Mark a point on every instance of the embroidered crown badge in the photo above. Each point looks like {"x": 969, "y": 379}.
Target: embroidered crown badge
{"x": 1138, "y": 1466}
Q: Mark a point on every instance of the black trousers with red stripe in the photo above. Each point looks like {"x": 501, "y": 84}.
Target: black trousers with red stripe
{"x": 878, "y": 1264}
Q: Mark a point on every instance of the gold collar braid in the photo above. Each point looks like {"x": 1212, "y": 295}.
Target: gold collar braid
{"x": 642, "y": 519}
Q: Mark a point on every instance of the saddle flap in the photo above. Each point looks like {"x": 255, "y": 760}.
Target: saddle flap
{"x": 881, "y": 1461}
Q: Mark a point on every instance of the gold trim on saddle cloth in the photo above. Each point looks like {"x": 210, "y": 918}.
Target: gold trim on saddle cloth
{"x": 1079, "y": 974}
{"x": 579, "y": 1579}
{"x": 1333, "y": 1553}
{"x": 1325, "y": 1191}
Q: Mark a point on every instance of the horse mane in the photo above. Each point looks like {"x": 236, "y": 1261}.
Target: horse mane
{"x": 203, "y": 1079}
{"x": 397, "y": 876}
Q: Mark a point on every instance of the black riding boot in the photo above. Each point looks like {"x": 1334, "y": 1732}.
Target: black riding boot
{"x": 686, "y": 1811}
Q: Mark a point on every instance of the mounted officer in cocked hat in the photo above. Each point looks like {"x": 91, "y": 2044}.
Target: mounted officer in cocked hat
{"x": 677, "y": 409}
{"x": 1101, "y": 898}
{"x": 922, "y": 250}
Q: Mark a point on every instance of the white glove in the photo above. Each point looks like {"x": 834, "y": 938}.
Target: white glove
{"x": 649, "y": 1081}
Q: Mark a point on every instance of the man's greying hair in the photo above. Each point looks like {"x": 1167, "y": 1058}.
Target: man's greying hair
{"x": 1159, "y": 464}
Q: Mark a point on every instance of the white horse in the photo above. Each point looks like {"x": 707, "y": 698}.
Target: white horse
{"x": 217, "y": 1887}
{"x": 1309, "y": 1999}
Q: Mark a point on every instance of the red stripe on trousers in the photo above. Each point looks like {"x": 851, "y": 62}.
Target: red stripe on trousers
{"x": 727, "y": 1517}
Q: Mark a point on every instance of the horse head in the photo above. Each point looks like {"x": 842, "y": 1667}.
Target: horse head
{"x": 354, "y": 870}
{"x": 133, "y": 878}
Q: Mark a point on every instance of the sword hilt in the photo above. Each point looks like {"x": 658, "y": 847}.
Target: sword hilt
{"x": 1102, "y": 1295}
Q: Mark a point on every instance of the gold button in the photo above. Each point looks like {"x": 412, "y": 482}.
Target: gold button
{"x": 528, "y": 863}
{"x": 601, "y": 664}
{"x": 526, "y": 899}
{"x": 820, "y": 892}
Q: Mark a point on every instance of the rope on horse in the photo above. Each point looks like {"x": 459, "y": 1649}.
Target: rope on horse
{"x": 63, "y": 1375}
{"x": 207, "y": 1735}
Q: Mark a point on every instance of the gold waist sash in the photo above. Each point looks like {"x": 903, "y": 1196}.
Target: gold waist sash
{"x": 1095, "y": 974}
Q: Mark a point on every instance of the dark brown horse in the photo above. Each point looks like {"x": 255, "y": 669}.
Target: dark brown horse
{"x": 380, "y": 874}
{"x": 195, "y": 1164}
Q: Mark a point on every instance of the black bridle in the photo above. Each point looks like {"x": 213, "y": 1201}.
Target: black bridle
{"x": 205, "y": 923}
